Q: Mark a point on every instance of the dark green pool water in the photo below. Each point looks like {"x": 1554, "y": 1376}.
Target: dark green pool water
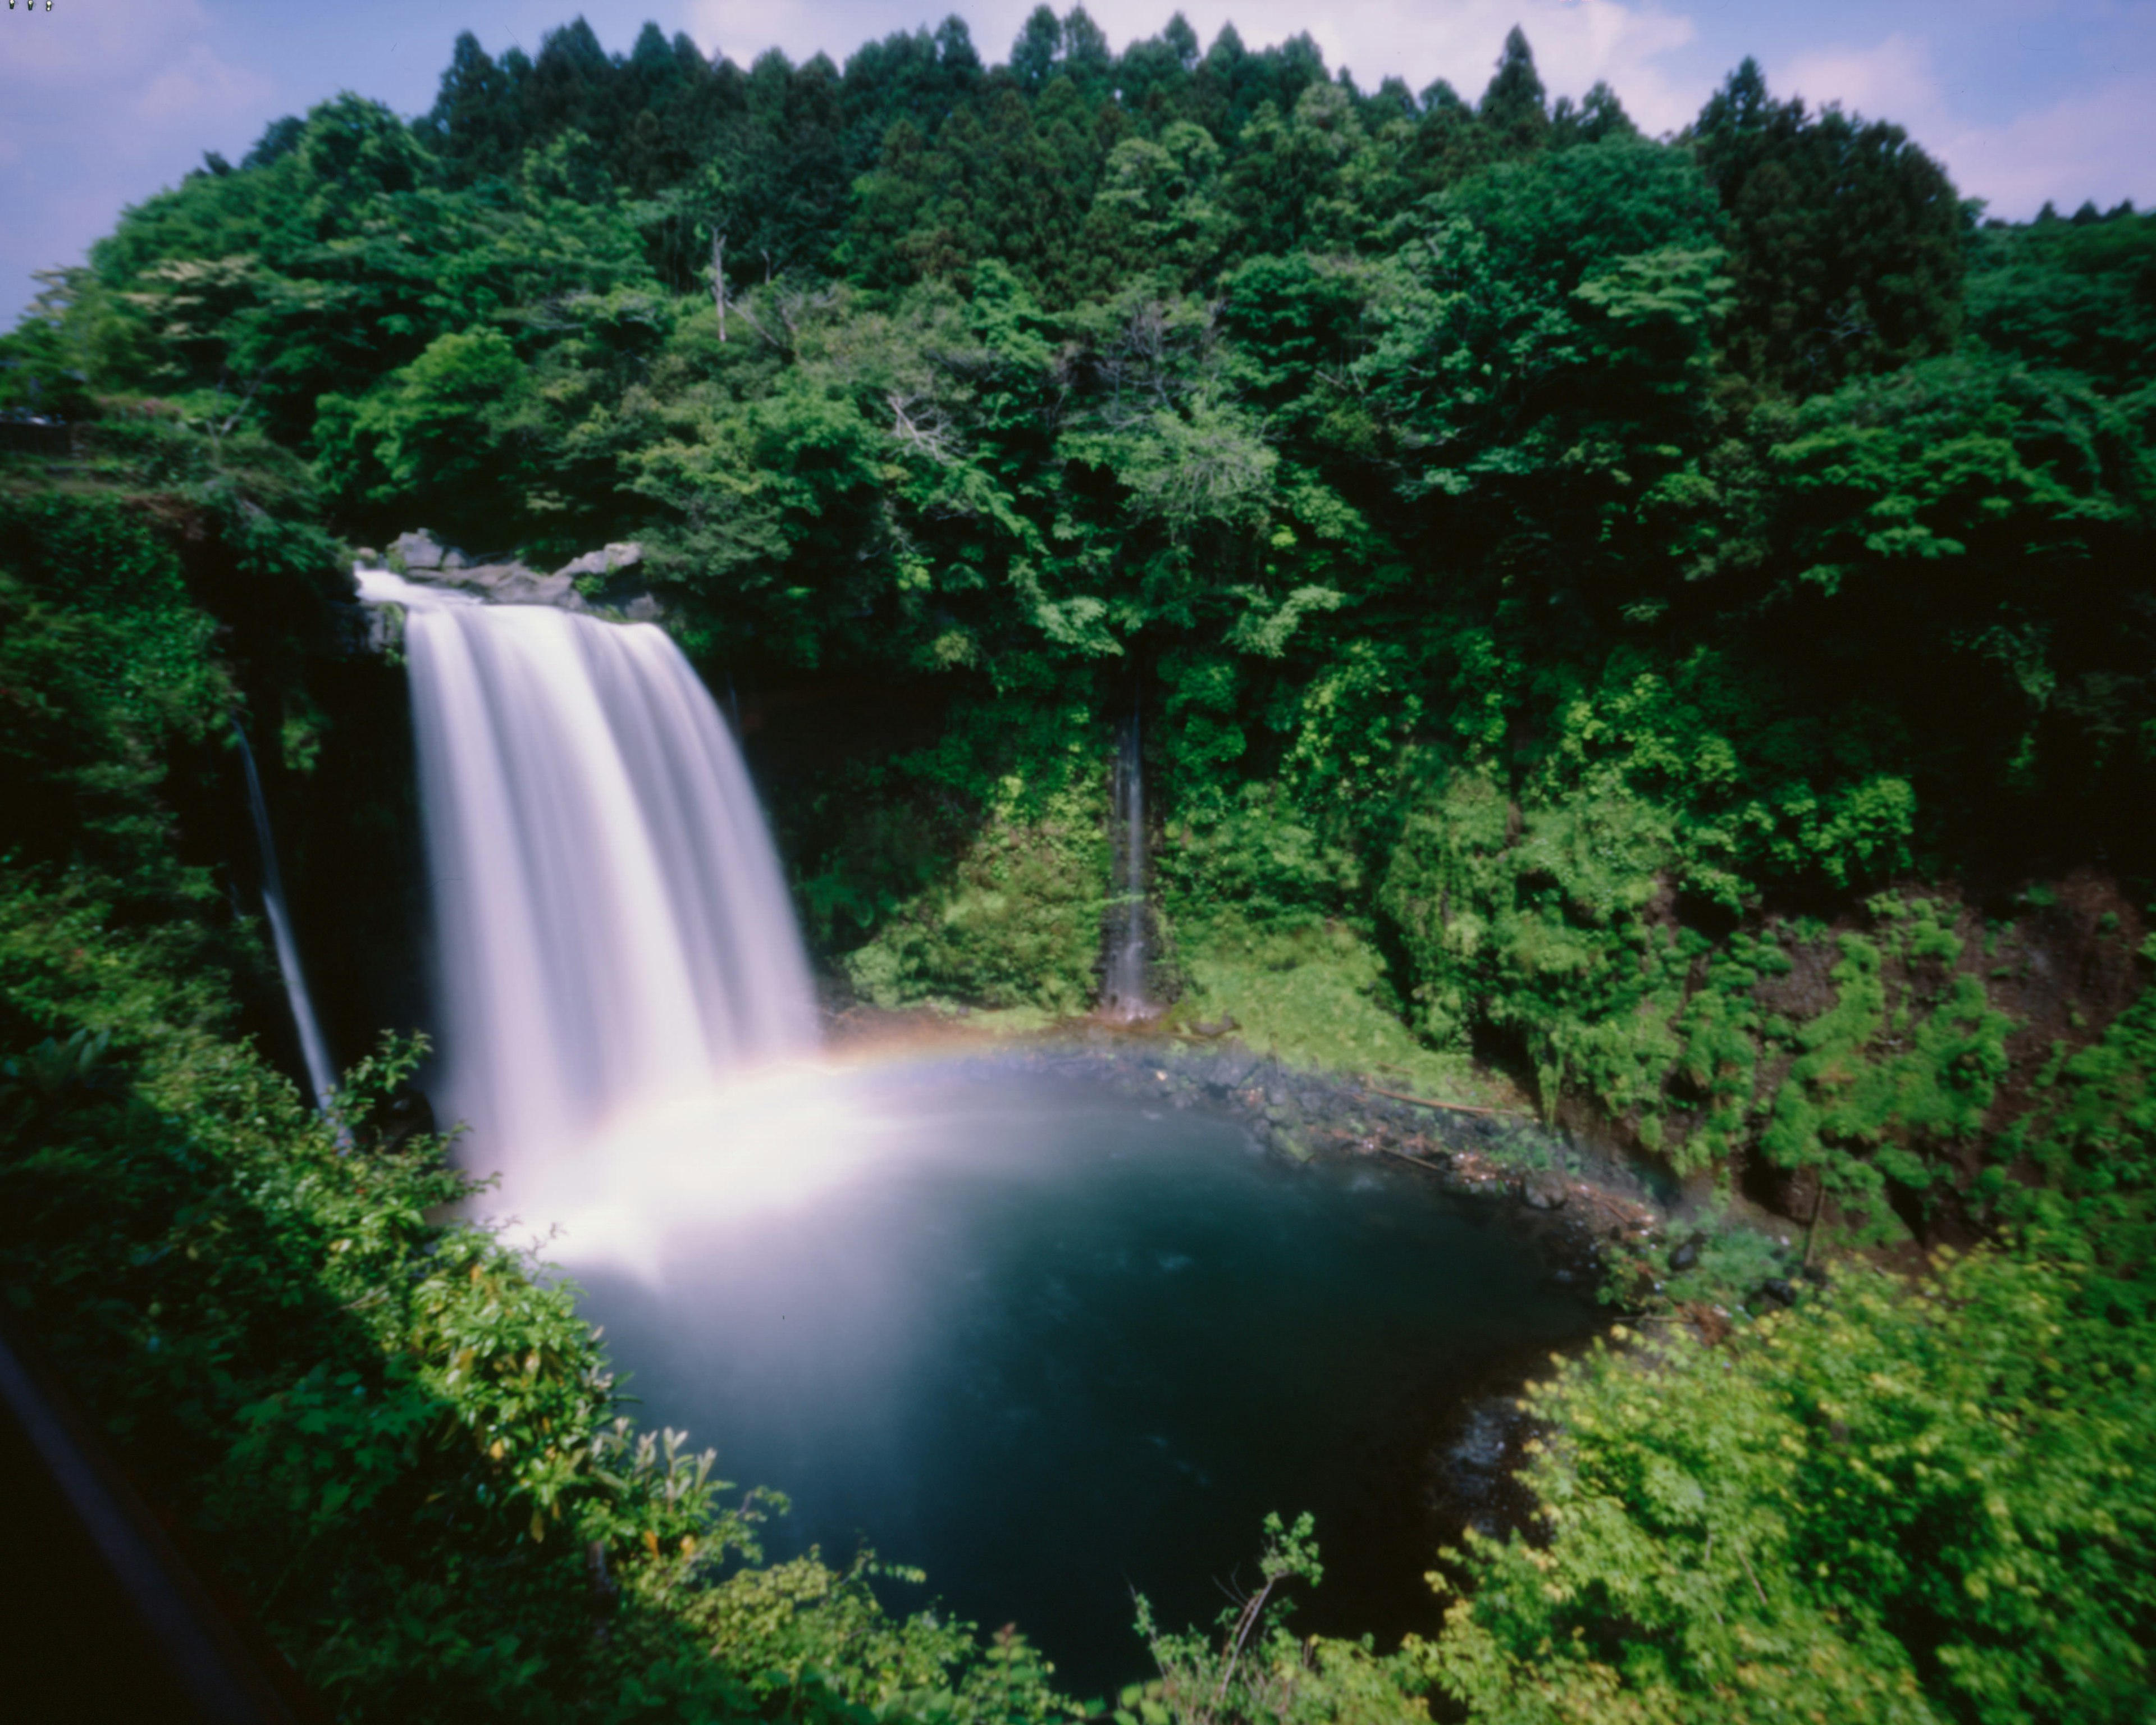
{"x": 1052, "y": 1345}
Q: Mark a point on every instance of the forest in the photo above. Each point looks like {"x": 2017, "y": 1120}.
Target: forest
{"x": 1645, "y": 629}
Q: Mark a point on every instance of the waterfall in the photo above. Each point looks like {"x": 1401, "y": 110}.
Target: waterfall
{"x": 612, "y": 927}
{"x": 1123, "y": 991}
{"x": 321, "y": 1075}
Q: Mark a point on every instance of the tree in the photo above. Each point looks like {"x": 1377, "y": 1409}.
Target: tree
{"x": 474, "y": 124}
{"x": 279, "y": 139}
{"x": 1845, "y": 238}
{"x": 1598, "y": 116}
{"x": 1033, "y": 54}
{"x": 956, "y": 54}
{"x": 1183, "y": 39}
{"x": 1558, "y": 350}
{"x": 1157, "y": 209}
{"x": 1087, "y": 61}
{"x": 1296, "y": 181}
{"x": 1515, "y": 106}
{"x": 432, "y": 439}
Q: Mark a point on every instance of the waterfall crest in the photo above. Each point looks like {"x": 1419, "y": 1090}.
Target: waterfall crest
{"x": 612, "y": 926}
{"x": 1123, "y": 987}
{"x": 321, "y": 1073}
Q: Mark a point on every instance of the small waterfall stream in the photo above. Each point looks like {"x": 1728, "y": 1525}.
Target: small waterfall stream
{"x": 612, "y": 926}
{"x": 321, "y": 1073}
{"x": 1123, "y": 986}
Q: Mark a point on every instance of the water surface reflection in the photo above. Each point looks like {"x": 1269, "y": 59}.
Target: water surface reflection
{"x": 1050, "y": 1345}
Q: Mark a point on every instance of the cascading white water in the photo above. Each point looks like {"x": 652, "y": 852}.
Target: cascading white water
{"x": 1123, "y": 989}
{"x": 322, "y": 1074}
{"x": 612, "y": 926}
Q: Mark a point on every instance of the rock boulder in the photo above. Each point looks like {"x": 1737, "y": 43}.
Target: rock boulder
{"x": 418, "y": 551}
{"x": 423, "y": 557}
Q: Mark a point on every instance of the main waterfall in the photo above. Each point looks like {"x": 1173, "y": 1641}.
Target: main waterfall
{"x": 612, "y": 928}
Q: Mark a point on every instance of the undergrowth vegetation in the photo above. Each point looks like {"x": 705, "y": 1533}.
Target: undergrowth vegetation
{"x": 392, "y": 1434}
{"x": 1918, "y": 1504}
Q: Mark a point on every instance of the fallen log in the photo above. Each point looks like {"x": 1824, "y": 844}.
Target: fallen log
{"x": 1453, "y": 1107}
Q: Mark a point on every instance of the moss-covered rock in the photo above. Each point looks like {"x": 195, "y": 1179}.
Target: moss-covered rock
{"x": 1015, "y": 922}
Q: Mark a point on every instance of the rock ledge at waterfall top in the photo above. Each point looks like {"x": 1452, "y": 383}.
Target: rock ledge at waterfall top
{"x": 420, "y": 557}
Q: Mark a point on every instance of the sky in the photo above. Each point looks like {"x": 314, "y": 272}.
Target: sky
{"x": 105, "y": 102}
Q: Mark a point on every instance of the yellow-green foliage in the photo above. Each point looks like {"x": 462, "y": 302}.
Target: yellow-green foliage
{"x": 1542, "y": 930}
{"x": 2093, "y": 1139}
{"x": 1867, "y": 1073}
{"x": 1260, "y": 907}
{"x": 1257, "y": 858}
{"x": 1015, "y": 922}
{"x": 1317, "y": 996}
{"x": 1899, "y": 1504}
{"x": 1543, "y": 921}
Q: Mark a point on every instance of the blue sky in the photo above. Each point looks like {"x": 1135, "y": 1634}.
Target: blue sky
{"x": 102, "y": 102}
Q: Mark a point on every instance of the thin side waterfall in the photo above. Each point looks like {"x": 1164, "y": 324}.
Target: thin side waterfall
{"x": 1123, "y": 991}
{"x": 322, "y": 1074}
{"x": 612, "y": 927}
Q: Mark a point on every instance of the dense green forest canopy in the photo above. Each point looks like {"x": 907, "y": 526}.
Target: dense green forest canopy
{"x": 1665, "y": 615}
{"x": 1210, "y": 368}
{"x": 1383, "y": 441}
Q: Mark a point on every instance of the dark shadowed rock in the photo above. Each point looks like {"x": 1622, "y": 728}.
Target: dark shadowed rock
{"x": 402, "y": 1115}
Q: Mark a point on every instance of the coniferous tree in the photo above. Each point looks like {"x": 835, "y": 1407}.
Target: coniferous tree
{"x": 1598, "y": 116}
{"x": 1153, "y": 82}
{"x": 960, "y": 59}
{"x": 474, "y": 124}
{"x": 1034, "y": 53}
{"x": 1289, "y": 186}
{"x": 570, "y": 85}
{"x": 900, "y": 76}
{"x": 1515, "y": 106}
{"x": 1087, "y": 62}
{"x": 1448, "y": 143}
{"x": 1183, "y": 39}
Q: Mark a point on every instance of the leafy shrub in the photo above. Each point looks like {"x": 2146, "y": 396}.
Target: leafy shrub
{"x": 1921, "y": 1504}
{"x": 1016, "y": 922}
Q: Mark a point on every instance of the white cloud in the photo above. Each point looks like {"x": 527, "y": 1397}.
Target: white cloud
{"x": 2099, "y": 143}
{"x": 199, "y": 84}
{"x": 1894, "y": 80}
{"x": 99, "y": 106}
{"x": 1576, "y": 42}
{"x": 2102, "y": 145}
{"x": 101, "y": 44}
{"x": 145, "y": 61}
